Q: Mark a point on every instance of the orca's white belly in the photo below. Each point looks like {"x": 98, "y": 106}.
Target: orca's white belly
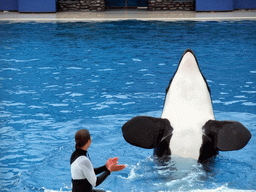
{"x": 186, "y": 144}
{"x": 187, "y": 135}
{"x": 188, "y": 107}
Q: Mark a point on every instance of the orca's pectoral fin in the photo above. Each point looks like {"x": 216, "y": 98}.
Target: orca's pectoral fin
{"x": 227, "y": 135}
{"x": 146, "y": 132}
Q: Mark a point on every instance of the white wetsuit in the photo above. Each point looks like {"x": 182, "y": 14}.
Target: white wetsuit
{"x": 83, "y": 174}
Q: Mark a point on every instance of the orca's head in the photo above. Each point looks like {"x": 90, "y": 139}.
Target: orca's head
{"x": 188, "y": 94}
{"x": 188, "y": 65}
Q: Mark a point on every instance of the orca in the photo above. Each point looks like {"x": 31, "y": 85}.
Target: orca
{"x": 187, "y": 127}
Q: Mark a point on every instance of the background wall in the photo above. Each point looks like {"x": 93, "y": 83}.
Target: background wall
{"x": 224, "y": 5}
{"x": 50, "y": 5}
{"x": 244, "y": 4}
{"x": 214, "y": 5}
{"x": 37, "y": 5}
{"x": 9, "y": 5}
{"x": 28, "y": 5}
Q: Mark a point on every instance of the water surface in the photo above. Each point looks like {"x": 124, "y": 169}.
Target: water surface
{"x": 56, "y": 78}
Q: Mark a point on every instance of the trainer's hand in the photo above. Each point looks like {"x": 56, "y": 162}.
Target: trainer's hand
{"x": 111, "y": 162}
{"x": 112, "y": 165}
{"x": 117, "y": 168}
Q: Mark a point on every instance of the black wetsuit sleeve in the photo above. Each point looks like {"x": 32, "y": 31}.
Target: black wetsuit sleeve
{"x": 102, "y": 177}
{"x": 100, "y": 169}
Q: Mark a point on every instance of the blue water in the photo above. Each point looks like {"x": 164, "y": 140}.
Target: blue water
{"x": 56, "y": 78}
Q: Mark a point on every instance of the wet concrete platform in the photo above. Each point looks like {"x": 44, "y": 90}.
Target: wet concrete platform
{"x": 114, "y": 15}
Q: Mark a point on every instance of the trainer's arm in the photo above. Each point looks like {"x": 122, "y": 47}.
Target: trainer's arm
{"x": 102, "y": 177}
{"x": 110, "y": 166}
{"x": 100, "y": 169}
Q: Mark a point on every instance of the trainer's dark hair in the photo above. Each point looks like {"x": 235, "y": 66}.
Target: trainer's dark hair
{"x": 82, "y": 136}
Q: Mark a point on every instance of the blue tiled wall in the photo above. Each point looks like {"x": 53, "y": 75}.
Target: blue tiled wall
{"x": 37, "y": 6}
{"x": 9, "y": 5}
{"x": 214, "y": 5}
{"x": 28, "y": 5}
{"x": 244, "y": 4}
{"x": 224, "y": 5}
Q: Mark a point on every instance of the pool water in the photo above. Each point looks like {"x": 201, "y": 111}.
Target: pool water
{"x": 56, "y": 78}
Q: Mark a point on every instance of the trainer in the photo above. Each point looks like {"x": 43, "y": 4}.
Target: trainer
{"x": 83, "y": 174}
